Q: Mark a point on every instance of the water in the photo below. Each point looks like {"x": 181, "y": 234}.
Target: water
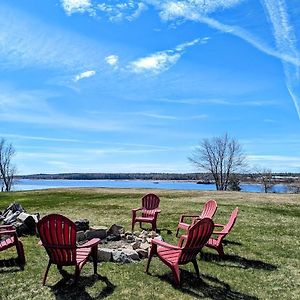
{"x": 39, "y": 184}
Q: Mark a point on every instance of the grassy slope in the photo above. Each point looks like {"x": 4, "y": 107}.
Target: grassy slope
{"x": 263, "y": 248}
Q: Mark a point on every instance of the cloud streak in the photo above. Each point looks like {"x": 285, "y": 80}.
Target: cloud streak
{"x": 85, "y": 74}
{"x": 162, "y": 60}
{"x": 286, "y": 42}
{"x": 28, "y": 42}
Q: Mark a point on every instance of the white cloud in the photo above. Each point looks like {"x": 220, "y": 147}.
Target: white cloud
{"x": 156, "y": 63}
{"x": 85, "y": 74}
{"x": 126, "y": 10}
{"x": 162, "y": 60}
{"x": 112, "y": 60}
{"x": 75, "y": 6}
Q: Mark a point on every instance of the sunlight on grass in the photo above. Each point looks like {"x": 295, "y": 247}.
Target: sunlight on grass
{"x": 262, "y": 250}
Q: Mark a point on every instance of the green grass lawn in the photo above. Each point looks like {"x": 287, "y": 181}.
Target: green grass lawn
{"x": 262, "y": 262}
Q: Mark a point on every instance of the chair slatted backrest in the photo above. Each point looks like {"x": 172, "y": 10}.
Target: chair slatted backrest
{"x": 227, "y": 228}
{"x": 149, "y": 203}
{"x": 58, "y": 235}
{"x": 198, "y": 235}
{"x": 209, "y": 209}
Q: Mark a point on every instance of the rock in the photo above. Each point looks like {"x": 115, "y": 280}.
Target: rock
{"x": 101, "y": 231}
{"x": 159, "y": 237}
{"x": 127, "y": 233}
{"x": 121, "y": 257}
{"x": 142, "y": 253}
{"x": 145, "y": 246}
{"x": 82, "y": 225}
{"x": 29, "y": 221}
{"x": 105, "y": 254}
{"x": 113, "y": 237}
{"x": 149, "y": 240}
{"x": 80, "y": 236}
{"x": 137, "y": 233}
{"x": 135, "y": 245}
{"x": 129, "y": 238}
{"x": 131, "y": 253}
{"x": 115, "y": 229}
{"x": 152, "y": 234}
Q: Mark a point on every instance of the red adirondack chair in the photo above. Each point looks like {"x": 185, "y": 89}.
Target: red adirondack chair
{"x": 173, "y": 256}
{"x": 58, "y": 236}
{"x": 216, "y": 243}
{"x": 208, "y": 211}
{"x": 149, "y": 211}
{"x": 11, "y": 240}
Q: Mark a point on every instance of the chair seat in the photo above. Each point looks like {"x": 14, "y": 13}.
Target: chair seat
{"x": 212, "y": 242}
{"x": 144, "y": 219}
{"x": 82, "y": 254}
{"x": 169, "y": 255}
{"x": 7, "y": 243}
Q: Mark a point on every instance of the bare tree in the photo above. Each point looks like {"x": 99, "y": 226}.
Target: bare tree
{"x": 266, "y": 179}
{"x": 221, "y": 156}
{"x": 7, "y": 169}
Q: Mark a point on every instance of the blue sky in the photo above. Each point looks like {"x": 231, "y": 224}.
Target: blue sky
{"x": 133, "y": 86}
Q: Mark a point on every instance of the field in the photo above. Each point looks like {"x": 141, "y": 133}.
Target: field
{"x": 262, "y": 261}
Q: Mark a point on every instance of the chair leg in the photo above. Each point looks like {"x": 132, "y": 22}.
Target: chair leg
{"x": 153, "y": 226}
{"x": 152, "y": 252}
{"x": 177, "y": 231}
{"x": 95, "y": 257}
{"x": 196, "y": 267}
{"x": 132, "y": 224}
{"x": 21, "y": 255}
{"x": 220, "y": 250}
{"x": 77, "y": 273}
{"x": 46, "y": 272}
{"x": 176, "y": 274}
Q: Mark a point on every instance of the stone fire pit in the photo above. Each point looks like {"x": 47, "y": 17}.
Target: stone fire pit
{"x": 118, "y": 245}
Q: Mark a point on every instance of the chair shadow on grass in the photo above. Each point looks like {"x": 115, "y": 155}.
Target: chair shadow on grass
{"x": 10, "y": 265}
{"x": 236, "y": 261}
{"x": 205, "y": 287}
{"x": 66, "y": 289}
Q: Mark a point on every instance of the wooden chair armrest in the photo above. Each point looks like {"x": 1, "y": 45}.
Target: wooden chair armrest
{"x": 219, "y": 232}
{"x": 136, "y": 209}
{"x": 219, "y": 225}
{"x": 182, "y": 217}
{"x": 182, "y": 239}
{"x": 164, "y": 244}
{"x": 89, "y": 244}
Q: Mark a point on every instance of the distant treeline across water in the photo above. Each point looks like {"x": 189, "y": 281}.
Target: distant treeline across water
{"x": 201, "y": 177}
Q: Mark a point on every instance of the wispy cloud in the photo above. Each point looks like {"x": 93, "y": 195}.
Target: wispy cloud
{"x": 286, "y": 42}
{"x": 112, "y": 60}
{"x": 155, "y": 63}
{"x": 85, "y": 74}
{"x": 76, "y": 6}
{"x": 27, "y": 41}
{"x": 162, "y": 60}
{"x": 126, "y": 10}
{"x": 32, "y": 107}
